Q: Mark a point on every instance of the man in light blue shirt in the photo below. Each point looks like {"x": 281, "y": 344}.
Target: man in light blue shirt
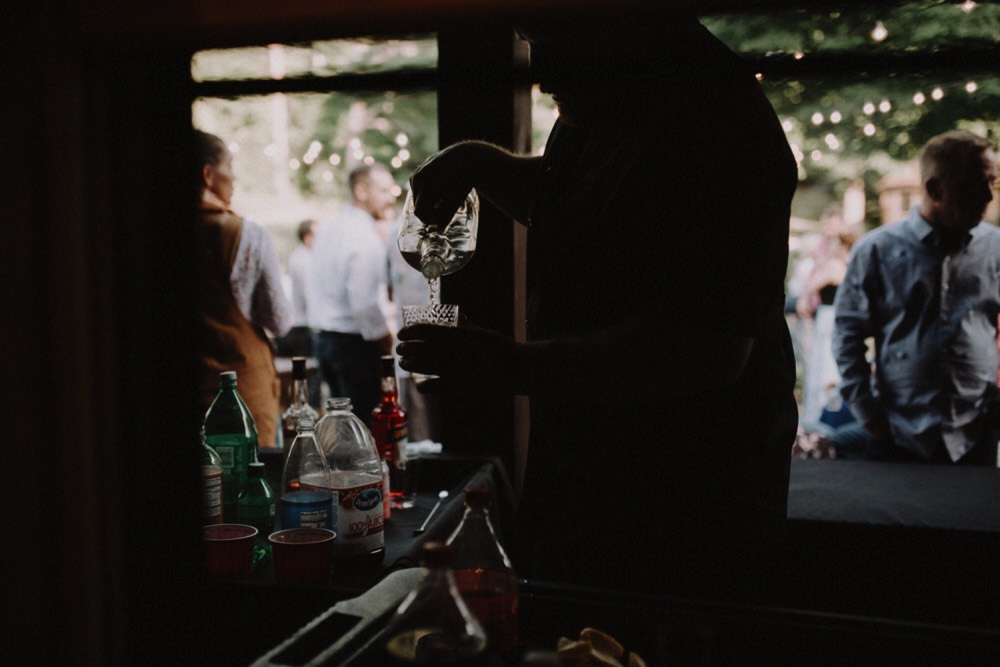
{"x": 927, "y": 289}
{"x": 346, "y": 278}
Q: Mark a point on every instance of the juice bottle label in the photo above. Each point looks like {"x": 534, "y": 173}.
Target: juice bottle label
{"x": 360, "y": 515}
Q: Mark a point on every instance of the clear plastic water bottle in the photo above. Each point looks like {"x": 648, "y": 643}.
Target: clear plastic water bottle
{"x": 306, "y": 501}
{"x": 356, "y": 484}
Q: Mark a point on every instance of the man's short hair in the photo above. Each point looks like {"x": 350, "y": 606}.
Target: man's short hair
{"x": 951, "y": 152}
{"x": 360, "y": 174}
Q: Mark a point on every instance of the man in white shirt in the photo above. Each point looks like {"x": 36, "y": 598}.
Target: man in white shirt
{"x": 346, "y": 276}
{"x": 298, "y": 341}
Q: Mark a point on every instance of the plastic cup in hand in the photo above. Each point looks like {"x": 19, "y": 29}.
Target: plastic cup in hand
{"x": 439, "y": 314}
{"x": 302, "y": 556}
{"x": 229, "y": 550}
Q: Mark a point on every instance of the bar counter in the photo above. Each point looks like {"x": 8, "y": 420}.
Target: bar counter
{"x": 265, "y": 625}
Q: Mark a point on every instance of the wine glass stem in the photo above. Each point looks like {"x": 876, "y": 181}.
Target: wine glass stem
{"x": 434, "y": 287}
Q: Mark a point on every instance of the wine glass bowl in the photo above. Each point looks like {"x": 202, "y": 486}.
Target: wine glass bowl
{"x": 437, "y": 250}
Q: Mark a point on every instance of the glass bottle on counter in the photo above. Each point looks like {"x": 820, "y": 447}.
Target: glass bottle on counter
{"x": 306, "y": 501}
{"x": 433, "y": 625}
{"x": 391, "y": 432}
{"x": 256, "y": 507}
{"x": 299, "y": 406}
{"x": 483, "y": 572}
{"x": 231, "y": 432}
{"x": 211, "y": 483}
{"x": 356, "y": 485}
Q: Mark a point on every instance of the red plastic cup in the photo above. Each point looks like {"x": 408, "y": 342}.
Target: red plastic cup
{"x": 229, "y": 550}
{"x": 302, "y": 556}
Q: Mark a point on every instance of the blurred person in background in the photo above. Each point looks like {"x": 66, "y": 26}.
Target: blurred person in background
{"x": 407, "y": 286}
{"x": 821, "y": 377}
{"x": 927, "y": 289}
{"x": 242, "y": 301}
{"x": 298, "y": 341}
{"x": 346, "y": 289}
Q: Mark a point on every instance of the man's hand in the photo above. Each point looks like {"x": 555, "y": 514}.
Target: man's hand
{"x": 440, "y": 184}
{"x": 466, "y": 358}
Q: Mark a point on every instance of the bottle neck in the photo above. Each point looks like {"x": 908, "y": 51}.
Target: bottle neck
{"x": 476, "y": 524}
{"x": 300, "y": 391}
{"x": 390, "y": 392}
{"x": 474, "y": 513}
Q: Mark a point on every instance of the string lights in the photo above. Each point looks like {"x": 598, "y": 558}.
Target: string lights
{"x": 816, "y": 133}
{"x": 865, "y": 120}
{"x": 879, "y": 32}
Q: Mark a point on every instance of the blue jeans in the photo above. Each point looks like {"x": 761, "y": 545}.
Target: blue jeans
{"x": 349, "y": 364}
{"x": 852, "y": 442}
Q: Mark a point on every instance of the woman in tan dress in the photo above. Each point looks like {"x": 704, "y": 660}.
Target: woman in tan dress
{"x": 242, "y": 300}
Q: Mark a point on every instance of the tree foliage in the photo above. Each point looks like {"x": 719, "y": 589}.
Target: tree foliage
{"x": 855, "y": 95}
{"x": 853, "y": 102}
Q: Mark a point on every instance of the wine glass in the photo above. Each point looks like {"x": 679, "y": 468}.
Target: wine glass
{"x": 434, "y": 250}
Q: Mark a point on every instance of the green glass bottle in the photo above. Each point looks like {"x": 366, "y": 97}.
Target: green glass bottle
{"x": 231, "y": 432}
{"x": 256, "y": 507}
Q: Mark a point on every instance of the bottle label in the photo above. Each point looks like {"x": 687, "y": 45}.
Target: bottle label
{"x": 386, "y": 491}
{"x": 360, "y": 514}
{"x": 399, "y": 437}
{"x": 307, "y": 508}
{"x": 227, "y": 454}
{"x": 211, "y": 480}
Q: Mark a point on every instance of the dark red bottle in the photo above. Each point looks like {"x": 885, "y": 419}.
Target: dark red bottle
{"x": 391, "y": 432}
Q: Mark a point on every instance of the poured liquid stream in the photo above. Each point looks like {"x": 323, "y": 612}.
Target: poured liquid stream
{"x": 434, "y": 291}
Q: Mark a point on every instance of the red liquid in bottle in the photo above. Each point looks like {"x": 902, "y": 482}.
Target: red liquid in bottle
{"x": 493, "y": 599}
{"x": 390, "y": 430}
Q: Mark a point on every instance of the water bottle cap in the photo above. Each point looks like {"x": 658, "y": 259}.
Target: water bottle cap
{"x": 339, "y": 403}
{"x": 298, "y": 367}
{"x": 256, "y": 469}
{"x": 227, "y": 376}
